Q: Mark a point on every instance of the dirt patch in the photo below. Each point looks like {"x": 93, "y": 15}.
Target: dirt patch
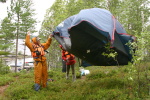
{"x": 2, "y": 89}
{"x": 83, "y": 77}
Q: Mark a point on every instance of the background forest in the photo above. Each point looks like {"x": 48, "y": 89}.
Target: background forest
{"x": 131, "y": 82}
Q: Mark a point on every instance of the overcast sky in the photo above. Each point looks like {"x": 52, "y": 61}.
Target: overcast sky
{"x": 39, "y": 5}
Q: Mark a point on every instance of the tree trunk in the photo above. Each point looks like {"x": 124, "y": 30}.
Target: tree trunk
{"x": 17, "y": 43}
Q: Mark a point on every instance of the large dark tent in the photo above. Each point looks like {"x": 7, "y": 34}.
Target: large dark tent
{"x": 88, "y": 33}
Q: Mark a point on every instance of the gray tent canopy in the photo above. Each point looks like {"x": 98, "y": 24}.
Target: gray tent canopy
{"x": 87, "y": 33}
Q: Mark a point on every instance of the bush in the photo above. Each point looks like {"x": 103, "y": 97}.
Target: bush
{"x": 5, "y": 80}
{"x": 4, "y": 69}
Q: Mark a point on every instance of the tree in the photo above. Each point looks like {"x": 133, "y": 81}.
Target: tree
{"x": 27, "y": 20}
{"x": 114, "y": 6}
{"x": 21, "y": 14}
{"x": 3, "y": 1}
{"x": 7, "y": 30}
{"x": 3, "y": 46}
{"x": 135, "y": 14}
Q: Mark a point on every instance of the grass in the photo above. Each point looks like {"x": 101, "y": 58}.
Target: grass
{"x": 103, "y": 83}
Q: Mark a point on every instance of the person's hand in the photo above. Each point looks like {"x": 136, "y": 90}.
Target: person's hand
{"x": 50, "y": 36}
{"x": 28, "y": 33}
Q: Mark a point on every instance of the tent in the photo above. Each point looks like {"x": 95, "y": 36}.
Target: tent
{"x": 85, "y": 64}
{"x": 88, "y": 33}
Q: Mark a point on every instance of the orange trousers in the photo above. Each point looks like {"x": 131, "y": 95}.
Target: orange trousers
{"x": 40, "y": 73}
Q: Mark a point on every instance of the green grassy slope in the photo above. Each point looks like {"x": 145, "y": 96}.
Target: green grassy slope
{"x": 103, "y": 83}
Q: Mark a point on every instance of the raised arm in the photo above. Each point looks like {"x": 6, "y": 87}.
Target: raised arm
{"x": 48, "y": 42}
{"x": 28, "y": 43}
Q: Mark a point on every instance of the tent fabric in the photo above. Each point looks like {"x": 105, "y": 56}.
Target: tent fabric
{"x": 85, "y": 64}
{"x": 87, "y": 33}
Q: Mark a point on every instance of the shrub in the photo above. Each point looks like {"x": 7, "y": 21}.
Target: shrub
{"x": 4, "y": 69}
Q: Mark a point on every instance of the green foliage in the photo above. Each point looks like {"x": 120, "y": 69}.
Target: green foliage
{"x": 5, "y": 45}
{"x": 7, "y": 29}
{"x": 135, "y": 17}
{"x": 3, "y": 68}
{"x": 56, "y": 74}
{"x": 110, "y": 53}
{"x": 3, "y": 1}
{"x": 95, "y": 73}
{"x": 140, "y": 64}
{"x": 6, "y": 80}
{"x": 109, "y": 83}
{"x": 22, "y": 13}
{"x": 4, "y": 53}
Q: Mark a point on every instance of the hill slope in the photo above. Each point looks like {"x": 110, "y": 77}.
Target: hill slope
{"x": 108, "y": 83}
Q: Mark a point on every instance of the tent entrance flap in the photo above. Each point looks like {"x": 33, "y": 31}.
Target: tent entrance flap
{"x": 118, "y": 44}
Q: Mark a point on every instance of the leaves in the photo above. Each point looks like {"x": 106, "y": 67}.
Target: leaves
{"x": 4, "y": 53}
{"x": 21, "y": 13}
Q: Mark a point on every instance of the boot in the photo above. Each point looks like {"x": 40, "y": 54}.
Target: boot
{"x": 67, "y": 77}
{"x": 36, "y": 87}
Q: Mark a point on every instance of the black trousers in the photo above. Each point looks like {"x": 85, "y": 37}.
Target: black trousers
{"x": 63, "y": 66}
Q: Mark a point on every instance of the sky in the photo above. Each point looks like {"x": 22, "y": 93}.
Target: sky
{"x": 40, "y": 7}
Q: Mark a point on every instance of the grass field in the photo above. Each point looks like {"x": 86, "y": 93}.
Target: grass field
{"x": 103, "y": 83}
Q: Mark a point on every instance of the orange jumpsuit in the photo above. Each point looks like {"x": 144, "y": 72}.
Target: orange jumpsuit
{"x": 40, "y": 65}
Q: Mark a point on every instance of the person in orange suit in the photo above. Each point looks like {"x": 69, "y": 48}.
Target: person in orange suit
{"x": 40, "y": 65}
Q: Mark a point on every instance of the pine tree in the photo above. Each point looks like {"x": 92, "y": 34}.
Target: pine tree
{"x": 21, "y": 14}
{"x": 3, "y": 46}
{"x": 3, "y": 1}
{"x": 8, "y": 30}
